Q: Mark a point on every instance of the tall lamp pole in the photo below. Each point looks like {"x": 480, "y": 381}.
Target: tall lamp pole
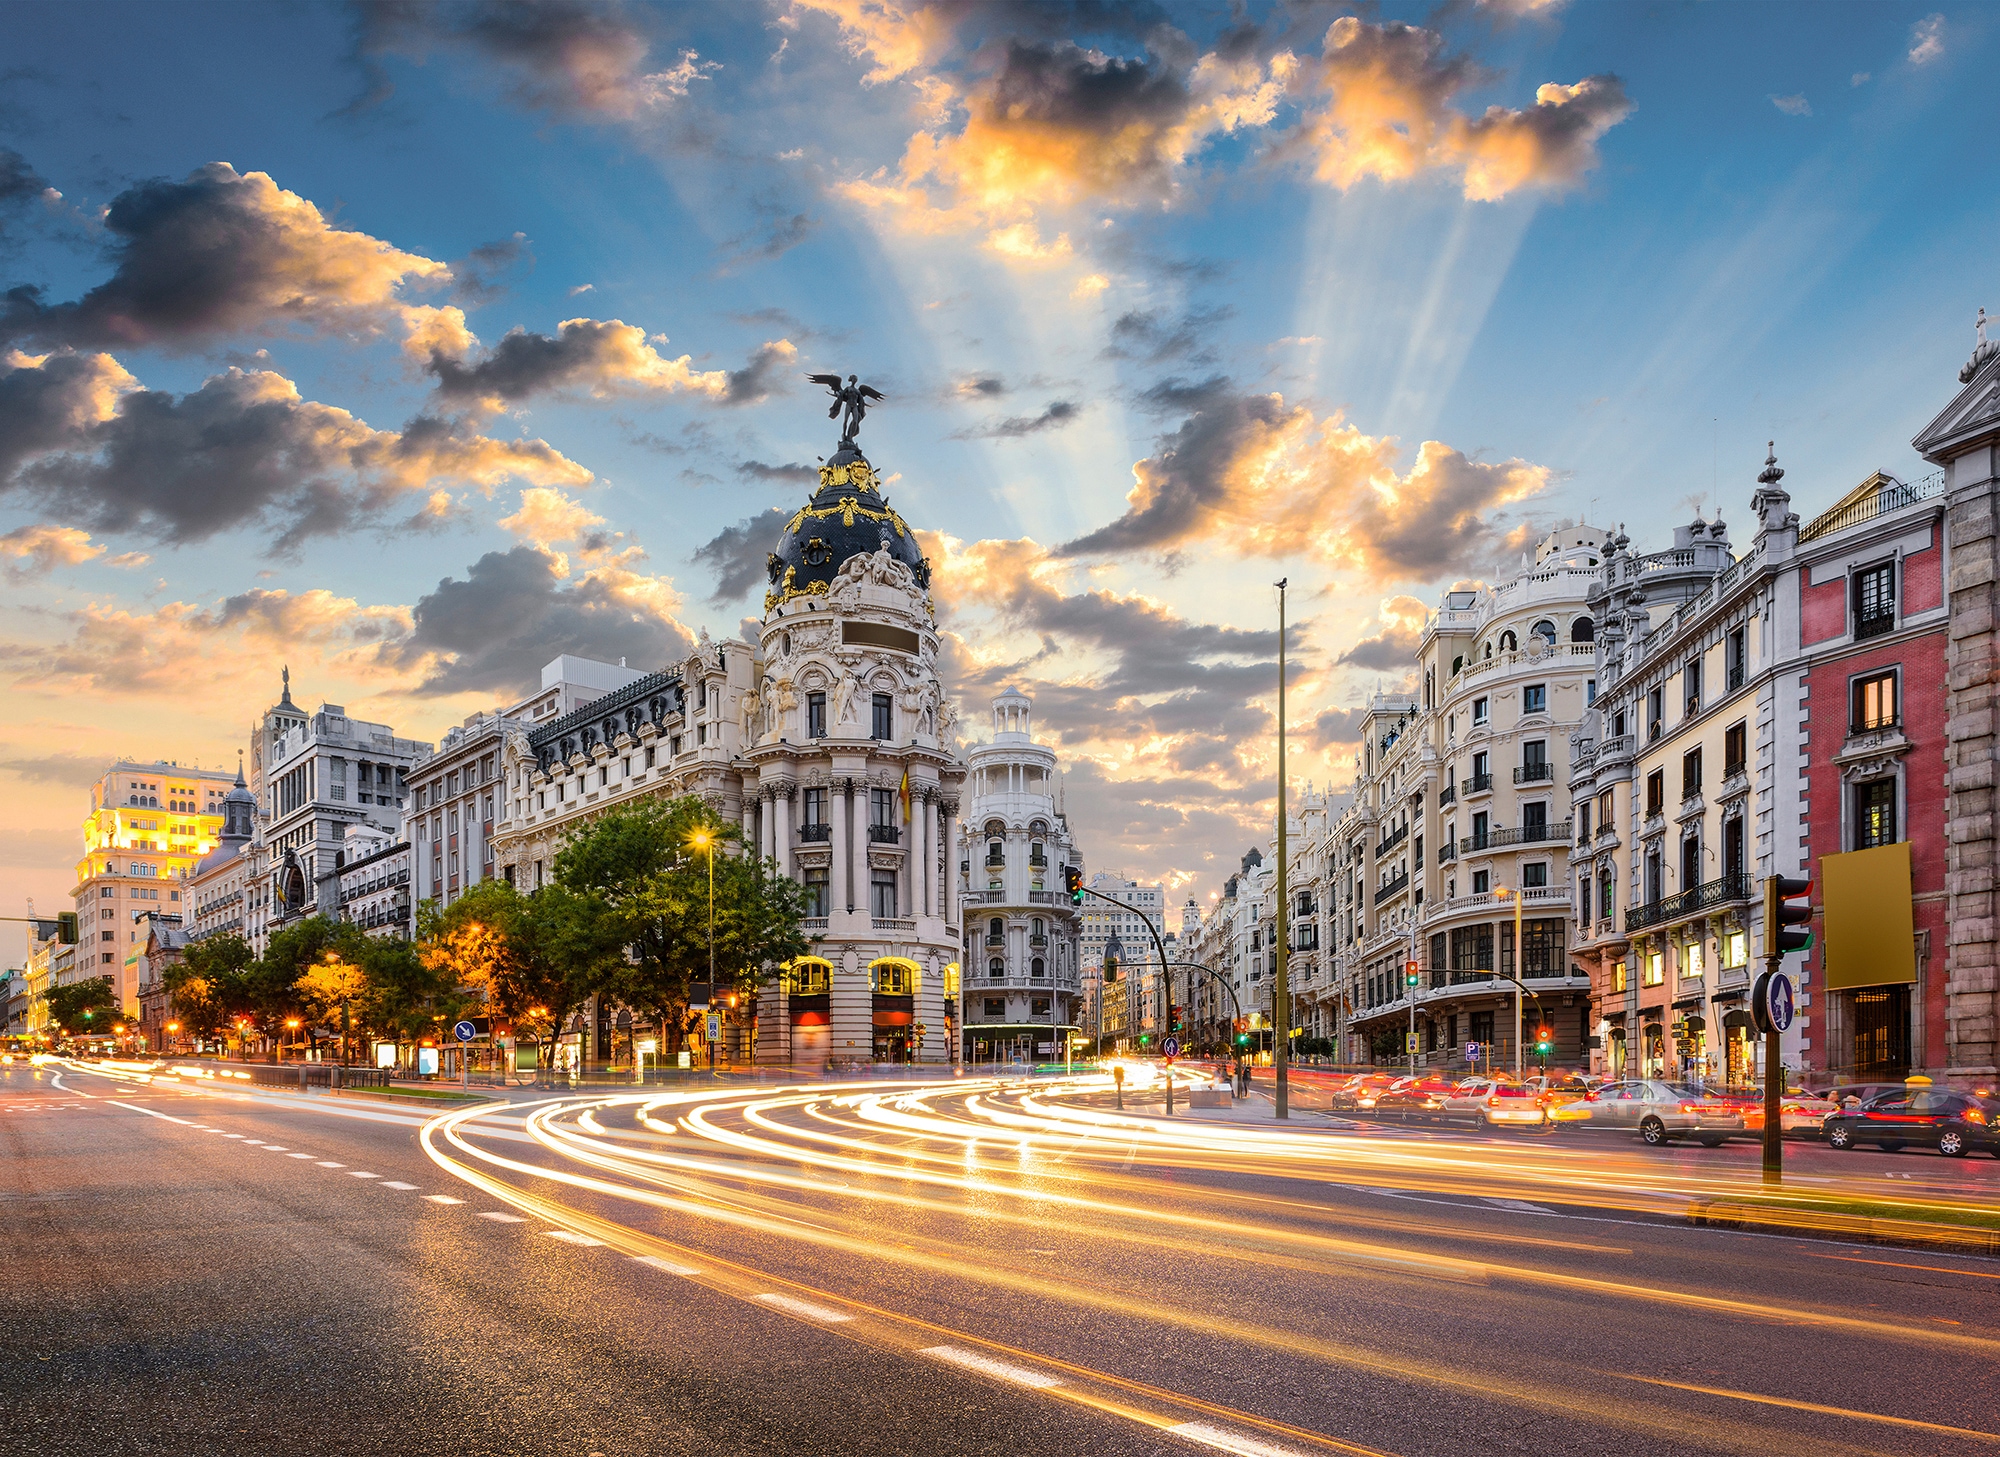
{"x": 704, "y": 839}
{"x": 1520, "y": 965}
{"x": 1281, "y": 1008}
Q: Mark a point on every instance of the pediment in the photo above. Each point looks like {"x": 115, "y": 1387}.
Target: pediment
{"x": 1973, "y": 413}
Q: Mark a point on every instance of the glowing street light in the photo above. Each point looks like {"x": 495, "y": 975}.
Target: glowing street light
{"x": 703, "y": 838}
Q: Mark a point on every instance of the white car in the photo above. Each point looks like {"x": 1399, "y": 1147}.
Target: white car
{"x": 1495, "y": 1103}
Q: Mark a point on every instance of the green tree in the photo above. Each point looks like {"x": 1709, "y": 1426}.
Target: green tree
{"x": 641, "y": 933}
{"x": 527, "y": 956}
{"x": 205, "y": 986}
{"x": 83, "y": 1007}
{"x": 316, "y": 969}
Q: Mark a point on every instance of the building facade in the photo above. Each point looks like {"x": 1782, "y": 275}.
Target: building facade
{"x": 1022, "y": 955}
{"x": 374, "y": 885}
{"x": 148, "y": 827}
{"x": 219, "y": 893}
{"x": 830, "y": 741}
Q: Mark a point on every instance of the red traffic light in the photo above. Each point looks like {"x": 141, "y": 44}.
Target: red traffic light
{"x": 1787, "y": 902}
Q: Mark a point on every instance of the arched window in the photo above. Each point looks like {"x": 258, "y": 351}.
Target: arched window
{"x": 996, "y": 852}
{"x": 892, "y": 978}
{"x": 1038, "y": 828}
{"x": 1508, "y": 642}
{"x": 1035, "y": 929}
{"x": 996, "y": 931}
{"x": 1583, "y": 630}
{"x": 809, "y": 977}
{"x": 996, "y": 968}
{"x": 1457, "y": 663}
{"x": 1038, "y": 970}
{"x": 1489, "y": 650}
{"x": 1546, "y": 631}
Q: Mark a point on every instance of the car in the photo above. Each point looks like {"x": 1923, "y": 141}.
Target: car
{"x": 1955, "y": 1124}
{"x": 1855, "y": 1094}
{"x": 1496, "y": 1103}
{"x": 1418, "y": 1097}
{"x": 1801, "y": 1114}
{"x": 1360, "y": 1094}
{"x": 1657, "y": 1111}
{"x": 1554, "y": 1091}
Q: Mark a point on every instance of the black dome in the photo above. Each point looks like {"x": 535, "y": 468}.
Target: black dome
{"x": 846, "y": 517}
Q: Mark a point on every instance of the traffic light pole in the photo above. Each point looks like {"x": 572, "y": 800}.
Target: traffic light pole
{"x": 1281, "y": 994}
{"x": 1772, "y": 1013}
{"x": 1078, "y": 888}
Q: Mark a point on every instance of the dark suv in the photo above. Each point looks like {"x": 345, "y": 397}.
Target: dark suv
{"x": 1955, "y": 1124}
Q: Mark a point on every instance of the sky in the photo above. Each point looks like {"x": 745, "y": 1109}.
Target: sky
{"x": 410, "y": 346}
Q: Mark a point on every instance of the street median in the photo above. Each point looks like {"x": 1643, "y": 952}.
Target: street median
{"x": 1961, "y": 1229}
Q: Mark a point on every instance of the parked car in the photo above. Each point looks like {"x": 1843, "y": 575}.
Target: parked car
{"x": 1657, "y": 1111}
{"x": 1955, "y": 1124}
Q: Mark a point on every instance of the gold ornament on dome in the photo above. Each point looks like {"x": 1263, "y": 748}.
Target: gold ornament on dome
{"x": 847, "y": 509}
{"x": 859, "y": 474}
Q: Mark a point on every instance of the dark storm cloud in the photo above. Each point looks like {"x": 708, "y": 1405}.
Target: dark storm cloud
{"x": 243, "y": 450}
{"x": 1058, "y": 414}
{"x": 790, "y": 471}
{"x": 1336, "y": 726}
{"x": 737, "y": 554}
{"x": 477, "y": 277}
{"x": 512, "y": 612}
{"x": 764, "y": 375}
{"x": 1188, "y": 471}
{"x": 1390, "y": 650}
{"x": 602, "y": 357}
{"x": 217, "y": 254}
{"x": 1148, "y": 336}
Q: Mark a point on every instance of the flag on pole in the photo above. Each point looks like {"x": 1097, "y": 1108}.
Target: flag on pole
{"x": 904, "y": 794}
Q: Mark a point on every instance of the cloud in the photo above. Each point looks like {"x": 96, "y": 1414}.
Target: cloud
{"x": 1793, "y": 105}
{"x": 515, "y": 610}
{"x": 548, "y": 518}
{"x": 790, "y": 471}
{"x": 1927, "y": 40}
{"x": 39, "y": 550}
{"x": 979, "y": 386}
{"x": 1252, "y": 474}
{"x": 72, "y": 771}
{"x": 1090, "y": 286}
{"x": 1394, "y": 647}
{"x": 222, "y": 254}
{"x": 1058, "y": 414}
{"x": 780, "y": 235}
{"x": 1860, "y": 78}
{"x": 1388, "y": 90}
{"x": 20, "y": 186}
{"x": 602, "y": 358}
{"x": 244, "y": 450}
{"x": 738, "y": 554}
{"x": 570, "y": 58}
{"x": 1145, "y": 334}
{"x": 1336, "y": 726}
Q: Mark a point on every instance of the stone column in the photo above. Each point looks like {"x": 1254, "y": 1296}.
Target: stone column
{"x": 915, "y": 873}
{"x": 1972, "y": 668}
{"x": 857, "y": 827}
{"x": 781, "y": 825}
{"x": 843, "y": 860}
{"x": 946, "y": 909}
{"x": 753, "y": 833}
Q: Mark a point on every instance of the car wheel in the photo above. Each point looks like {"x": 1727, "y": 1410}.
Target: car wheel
{"x": 1840, "y": 1136}
{"x": 1711, "y": 1140}
{"x": 1654, "y": 1132}
{"x": 1951, "y": 1143}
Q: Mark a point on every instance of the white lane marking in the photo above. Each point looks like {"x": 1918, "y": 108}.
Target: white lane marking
{"x": 1519, "y": 1206}
{"x": 361, "y": 1174}
{"x": 504, "y": 1218}
{"x": 251, "y": 1142}
{"x": 668, "y": 1265}
{"x": 394, "y": 1184}
{"x": 805, "y": 1308}
{"x": 570, "y": 1237}
{"x": 150, "y": 1113}
{"x": 443, "y": 1199}
{"x": 330, "y": 1164}
{"x": 298, "y": 1155}
{"x": 1228, "y": 1441}
{"x": 987, "y": 1366}
{"x": 232, "y": 1135}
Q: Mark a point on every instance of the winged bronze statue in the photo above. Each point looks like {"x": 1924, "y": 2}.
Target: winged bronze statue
{"x": 852, "y": 397}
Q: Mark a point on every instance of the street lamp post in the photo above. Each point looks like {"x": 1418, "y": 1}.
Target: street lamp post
{"x": 704, "y": 839}
{"x": 1520, "y": 965}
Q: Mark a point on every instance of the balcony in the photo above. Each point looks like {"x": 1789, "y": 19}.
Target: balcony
{"x": 1400, "y": 883}
{"x": 1524, "y": 835}
{"x": 1447, "y": 795}
{"x": 810, "y": 834}
{"x": 890, "y": 923}
{"x": 1478, "y": 783}
{"x": 1700, "y": 898}
{"x": 1539, "y": 772}
{"x": 996, "y": 940}
{"x": 1396, "y": 838}
{"x": 1041, "y": 897}
{"x": 885, "y": 834}
{"x": 1447, "y": 852}
{"x": 996, "y": 862}
{"x": 1038, "y": 942}
{"x": 1735, "y": 769}
{"x": 1874, "y": 625}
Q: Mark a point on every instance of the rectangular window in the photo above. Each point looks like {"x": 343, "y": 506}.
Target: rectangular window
{"x": 1605, "y": 819}
{"x": 1691, "y": 773}
{"x": 884, "y": 726}
{"x": 1535, "y": 876}
{"x": 1736, "y": 751}
{"x": 1482, "y": 882}
{"x": 451, "y": 783}
{"x": 995, "y": 1006}
{"x": 1479, "y": 710}
{"x": 1583, "y": 908}
{"x": 1606, "y": 887}
{"x": 1656, "y": 792}
{"x": 1535, "y": 698}
{"x": 815, "y": 715}
{"x": 1875, "y": 600}
{"x": 1735, "y": 948}
{"x": 1874, "y": 814}
{"x": 701, "y": 733}
{"x": 1655, "y": 969}
{"x": 819, "y": 893}
{"x": 1875, "y": 705}
{"x": 882, "y": 888}
{"x": 1589, "y": 692}
{"x": 1691, "y": 960}
{"x": 1737, "y": 658}
{"x": 1654, "y": 698}
{"x": 1692, "y": 682}
{"x": 882, "y": 807}
{"x": 1618, "y": 976}
{"x": 816, "y": 807}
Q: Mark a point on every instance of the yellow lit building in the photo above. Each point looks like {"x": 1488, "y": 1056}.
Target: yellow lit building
{"x": 148, "y": 826}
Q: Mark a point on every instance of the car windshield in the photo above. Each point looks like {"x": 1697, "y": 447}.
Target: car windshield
{"x": 1692, "y": 1090}
{"x": 1509, "y": 1090}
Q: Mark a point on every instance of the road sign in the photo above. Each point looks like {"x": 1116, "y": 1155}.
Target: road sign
{"x": 1171, "y": 1047}
{"x": 714, "y": 1033}
{"x": 464, "y": 1031}
{"x": 1412, "y": 1047}
{"x": 1772, "y": 1002}
{"x": 1472, "y": 1052}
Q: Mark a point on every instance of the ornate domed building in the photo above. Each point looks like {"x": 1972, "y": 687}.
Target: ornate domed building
{"x": 830, "y": 742}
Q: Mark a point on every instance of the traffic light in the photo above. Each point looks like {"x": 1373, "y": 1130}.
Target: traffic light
{"x": 1111, "y": 966}
{"x": 1787, "y": 902}
{"x": 1545, "y": 1040}
{"x": 1243, "y": 1039}
{"x": 1410, "y": 973}
{"x": 1145, "y": 1038}
{"x": 1073, "y": 883}
{"x": 1174, "y": 1020}
{"x": 66, "y": 927}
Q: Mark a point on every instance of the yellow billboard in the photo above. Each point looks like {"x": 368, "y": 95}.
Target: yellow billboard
{"x": 1864, "y": 899}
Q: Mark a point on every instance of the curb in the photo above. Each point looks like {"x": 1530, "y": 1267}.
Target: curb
{"x": 1845, "y": 1228}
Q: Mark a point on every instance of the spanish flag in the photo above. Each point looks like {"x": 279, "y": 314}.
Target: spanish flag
{"x": 904, "y": 794}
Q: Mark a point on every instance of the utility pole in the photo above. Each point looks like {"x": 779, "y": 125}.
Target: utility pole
{"x": 1281, "y": 1008}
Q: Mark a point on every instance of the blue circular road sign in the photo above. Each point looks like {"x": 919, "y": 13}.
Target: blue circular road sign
{"x": 1172, "y": 1047}
{"x": 1779, "y": 1001}
{"x": 464, "y": 1031}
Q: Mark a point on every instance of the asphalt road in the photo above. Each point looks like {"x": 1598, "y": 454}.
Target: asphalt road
{"x": 969, "y": 1268}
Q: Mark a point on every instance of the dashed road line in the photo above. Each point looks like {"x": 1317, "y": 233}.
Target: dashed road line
{"x": 987, "y": 1366}
{"x": 330, "y": 1164}
{"x": 805, "y": 1308}
{"x": 571, "y": 1238}
{"x": 499, "y": 1218}
{"x": 443, "y": 1199}
{"x": 1227, "y": 1441}
{"x": 298, "y": 1155}
{"x": 394, "y": 1184}
{"x": 361, "y": 1174}
{"x": 668, "y": 1265}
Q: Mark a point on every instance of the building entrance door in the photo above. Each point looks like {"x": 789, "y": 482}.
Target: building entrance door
{"x": 1881, "y": 1033}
